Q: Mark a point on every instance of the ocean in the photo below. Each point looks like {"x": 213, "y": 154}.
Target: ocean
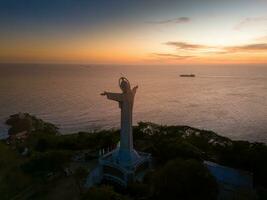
{"x": 228, "y": 99}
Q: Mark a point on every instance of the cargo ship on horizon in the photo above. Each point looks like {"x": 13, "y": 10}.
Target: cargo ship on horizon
{"x": 187, "y": 75}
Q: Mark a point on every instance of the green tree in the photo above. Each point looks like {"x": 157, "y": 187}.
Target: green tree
{"x": 12, "y": 178}
{"x": 51, "y": 161}
{"x": 80, "y": 175}
{"x": 103, "y": 193}
{"x": 184, "y": 179}
{"x": 139, "y": 190}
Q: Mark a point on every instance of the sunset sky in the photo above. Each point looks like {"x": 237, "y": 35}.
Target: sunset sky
{"x": 133, "y": 31}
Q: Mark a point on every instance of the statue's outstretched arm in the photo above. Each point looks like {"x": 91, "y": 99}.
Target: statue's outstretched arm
{"x": 135, "y": 89}
{"x": 113, "y": 96}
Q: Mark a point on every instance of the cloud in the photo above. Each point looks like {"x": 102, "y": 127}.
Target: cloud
{"x": 218, "y": 49}
{"x": 196, "y": 50}
{"x": 171, "y": 56}
{"x": 186, "y": 46}
{"x": 249, "y": 21}
{"x": 178, "y": 20}
{"x": 249, "y": 47}
{"x": 255, "y": 48}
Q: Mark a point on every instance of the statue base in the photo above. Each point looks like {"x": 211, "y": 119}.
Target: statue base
{"x": 122, "y": 168}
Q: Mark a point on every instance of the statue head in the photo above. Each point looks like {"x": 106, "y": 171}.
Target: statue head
{"x": 124, "y": 84}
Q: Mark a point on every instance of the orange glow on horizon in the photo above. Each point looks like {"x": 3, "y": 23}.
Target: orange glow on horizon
{"x": 128, "y": 50}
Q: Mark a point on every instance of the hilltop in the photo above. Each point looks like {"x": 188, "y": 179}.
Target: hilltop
{"x": 47, "y": 165}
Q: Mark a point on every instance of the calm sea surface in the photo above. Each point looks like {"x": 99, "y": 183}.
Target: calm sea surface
{"x": 231, "y": 100}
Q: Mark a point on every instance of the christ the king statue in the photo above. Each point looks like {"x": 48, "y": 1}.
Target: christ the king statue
{"x": 126, "y": 154}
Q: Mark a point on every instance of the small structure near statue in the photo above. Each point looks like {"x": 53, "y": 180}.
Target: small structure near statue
{"x": 233, "y": 183}
{"x": 124, "y": 164}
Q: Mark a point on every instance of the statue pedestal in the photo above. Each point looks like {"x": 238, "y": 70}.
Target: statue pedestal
{"x": 125, "y": 158}
{"x": 120, "y": 171}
